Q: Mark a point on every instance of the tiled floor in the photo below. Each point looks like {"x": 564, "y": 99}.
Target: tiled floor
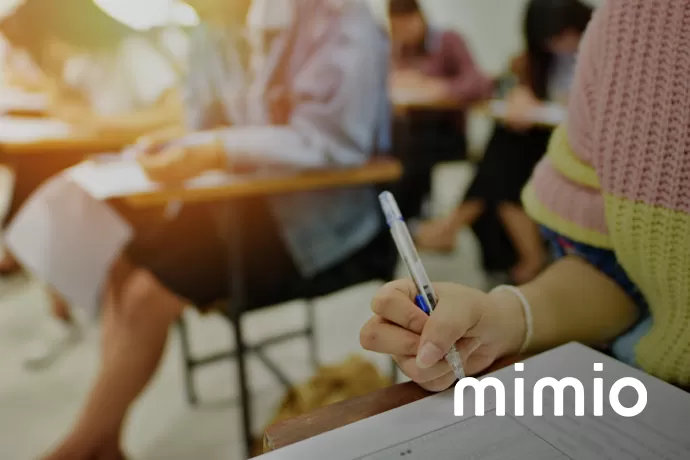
{"x": 36, "y": 408}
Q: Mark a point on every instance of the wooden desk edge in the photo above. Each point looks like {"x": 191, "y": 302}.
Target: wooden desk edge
{"x": 376, "y": 171}
{"x": 338, "y": 415}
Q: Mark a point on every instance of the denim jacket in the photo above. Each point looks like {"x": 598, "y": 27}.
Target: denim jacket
{"x": 333, "y": 65}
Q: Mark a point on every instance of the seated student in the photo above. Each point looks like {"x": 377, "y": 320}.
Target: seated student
{"x": 552, "y": 31}
{"x": 298, "y": 244}
{"x": 438, "y": 65}
{"x": 105, "y": 78}
{"x": 613, "y": 192}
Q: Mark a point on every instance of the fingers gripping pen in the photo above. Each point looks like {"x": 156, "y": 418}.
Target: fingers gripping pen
{"x": 426, "y": 298}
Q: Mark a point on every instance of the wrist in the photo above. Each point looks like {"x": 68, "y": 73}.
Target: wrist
{"x": 510, "y": 320}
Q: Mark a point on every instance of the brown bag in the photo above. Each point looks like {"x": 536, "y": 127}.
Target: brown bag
{"x": 331, "y": 384}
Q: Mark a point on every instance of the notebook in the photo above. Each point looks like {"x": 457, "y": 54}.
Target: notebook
{"x": 429, "y": 429}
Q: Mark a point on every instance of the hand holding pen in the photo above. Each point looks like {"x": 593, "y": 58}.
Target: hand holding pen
{"x": 426, "y": 297}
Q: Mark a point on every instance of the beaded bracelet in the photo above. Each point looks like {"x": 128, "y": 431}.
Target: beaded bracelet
{"x": 527, "y": 310}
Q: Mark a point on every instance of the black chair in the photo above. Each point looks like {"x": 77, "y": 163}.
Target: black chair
{"x": 235, "y": 314}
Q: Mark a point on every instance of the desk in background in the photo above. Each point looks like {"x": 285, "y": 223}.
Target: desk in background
{"x": 35, "y": 149}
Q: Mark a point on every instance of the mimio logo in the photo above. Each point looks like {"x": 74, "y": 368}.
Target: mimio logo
{"x": 559, "y": 387}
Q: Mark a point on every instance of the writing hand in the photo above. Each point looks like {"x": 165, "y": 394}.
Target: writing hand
{"x": 484, "y": 327}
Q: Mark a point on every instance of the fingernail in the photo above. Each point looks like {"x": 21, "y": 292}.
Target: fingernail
{"x": 429, "y": 354}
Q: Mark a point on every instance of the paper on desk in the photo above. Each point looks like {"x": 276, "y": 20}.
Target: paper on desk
{"x": 428, "y": 429}
{"x": 410, "y": 96}
{"x": 548, "y": 114}
{"x": 12, "y": 99}
{"x": 124, "y": 177}
{"x": 69, "y": 240}
{"x": 26, "y": 130}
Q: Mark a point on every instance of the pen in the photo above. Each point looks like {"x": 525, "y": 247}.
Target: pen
{"x": 426, "y": 298}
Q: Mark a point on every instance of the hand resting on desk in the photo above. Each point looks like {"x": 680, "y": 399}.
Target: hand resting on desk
{"x": 483, "y": 329}
{"x": 178, "y": 163}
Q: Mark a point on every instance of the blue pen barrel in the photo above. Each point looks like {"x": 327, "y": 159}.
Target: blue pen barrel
{"x": 421, "y": 303}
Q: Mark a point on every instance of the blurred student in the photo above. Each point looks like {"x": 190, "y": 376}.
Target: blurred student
{"x": 332, "y": 66}
{"x": 553, "y": 29}
{"x": 437, "y": 65}
{"x": 104, "y": 78}
{"x": 613, "y": 195}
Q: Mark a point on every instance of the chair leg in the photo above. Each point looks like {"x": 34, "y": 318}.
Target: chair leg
{"x": 311, "y": 335}
{"x": 243, "y": 381}
{"x": 189, "y": 364}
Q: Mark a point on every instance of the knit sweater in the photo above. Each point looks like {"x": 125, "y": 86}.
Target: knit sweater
{"x": 617, "y": 174}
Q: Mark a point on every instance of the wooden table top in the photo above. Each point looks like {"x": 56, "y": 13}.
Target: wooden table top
{"x": 378, "y": 171}
{"x": 337, "y": 415}
{"x": 30, "y": 136}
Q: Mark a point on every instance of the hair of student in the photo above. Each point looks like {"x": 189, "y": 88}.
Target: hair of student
{"x": 397, "y": 8}
{"x": 403, "y": 7}
{"x": 544, "y": 20}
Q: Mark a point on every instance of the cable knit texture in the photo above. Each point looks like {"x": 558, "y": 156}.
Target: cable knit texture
{"x": 617, "y": 175}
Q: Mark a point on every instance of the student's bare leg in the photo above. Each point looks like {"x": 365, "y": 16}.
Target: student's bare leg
{"x": 137, "y": 314}
{"x": 440, "y": 234}
{"x": 524, "y": 233}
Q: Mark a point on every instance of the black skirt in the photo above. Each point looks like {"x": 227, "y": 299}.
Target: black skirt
{"x": 421, "y": 140}
{"x": 190, "y": 256}
{"x": 504, "y": 171}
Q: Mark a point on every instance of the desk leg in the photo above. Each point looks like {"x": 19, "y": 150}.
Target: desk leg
{"x": 237, "y": 304}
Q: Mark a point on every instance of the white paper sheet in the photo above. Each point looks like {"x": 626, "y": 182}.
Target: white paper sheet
{"x": 13, "y": 99}
{"x": 124, "y": 177}
{"x": 549, "y": 114}
{"x": 69, "y": 240}
{"x": 26, "y": 130}
{"x": 429, "y": 430}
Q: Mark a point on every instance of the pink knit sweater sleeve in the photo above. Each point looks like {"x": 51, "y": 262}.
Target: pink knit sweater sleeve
{"x": 641, "y": 110}
{"x": 618, "y": 176}
{"x": 629, "y": 113}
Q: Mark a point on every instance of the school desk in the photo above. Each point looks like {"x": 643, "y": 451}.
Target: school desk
{"x": 337, "y": 415}
{"x": 379, "y": 171}
{"x": 37, "y": 148}
{"x": 25, "y": 136}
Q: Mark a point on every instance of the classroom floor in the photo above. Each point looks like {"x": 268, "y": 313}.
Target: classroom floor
{"x": 37, "y": 407}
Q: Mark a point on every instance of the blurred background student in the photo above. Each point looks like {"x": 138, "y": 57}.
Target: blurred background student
{"x": 437, "y": 66}
{"x": 318, "y": 242}
{"x": 103, "y": 77}
{"x": 552, "y": 30}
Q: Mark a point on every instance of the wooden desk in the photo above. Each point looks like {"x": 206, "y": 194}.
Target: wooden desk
{"x": 403, "y": 108}
{"x": 344, "y": 413}
{"x": 37, "y": 148}
{"x": 20, "y": 136}
{"x": 378, "y": 171}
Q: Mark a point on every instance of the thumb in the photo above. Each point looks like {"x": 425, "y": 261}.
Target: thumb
{"x": 447, "y": 324}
